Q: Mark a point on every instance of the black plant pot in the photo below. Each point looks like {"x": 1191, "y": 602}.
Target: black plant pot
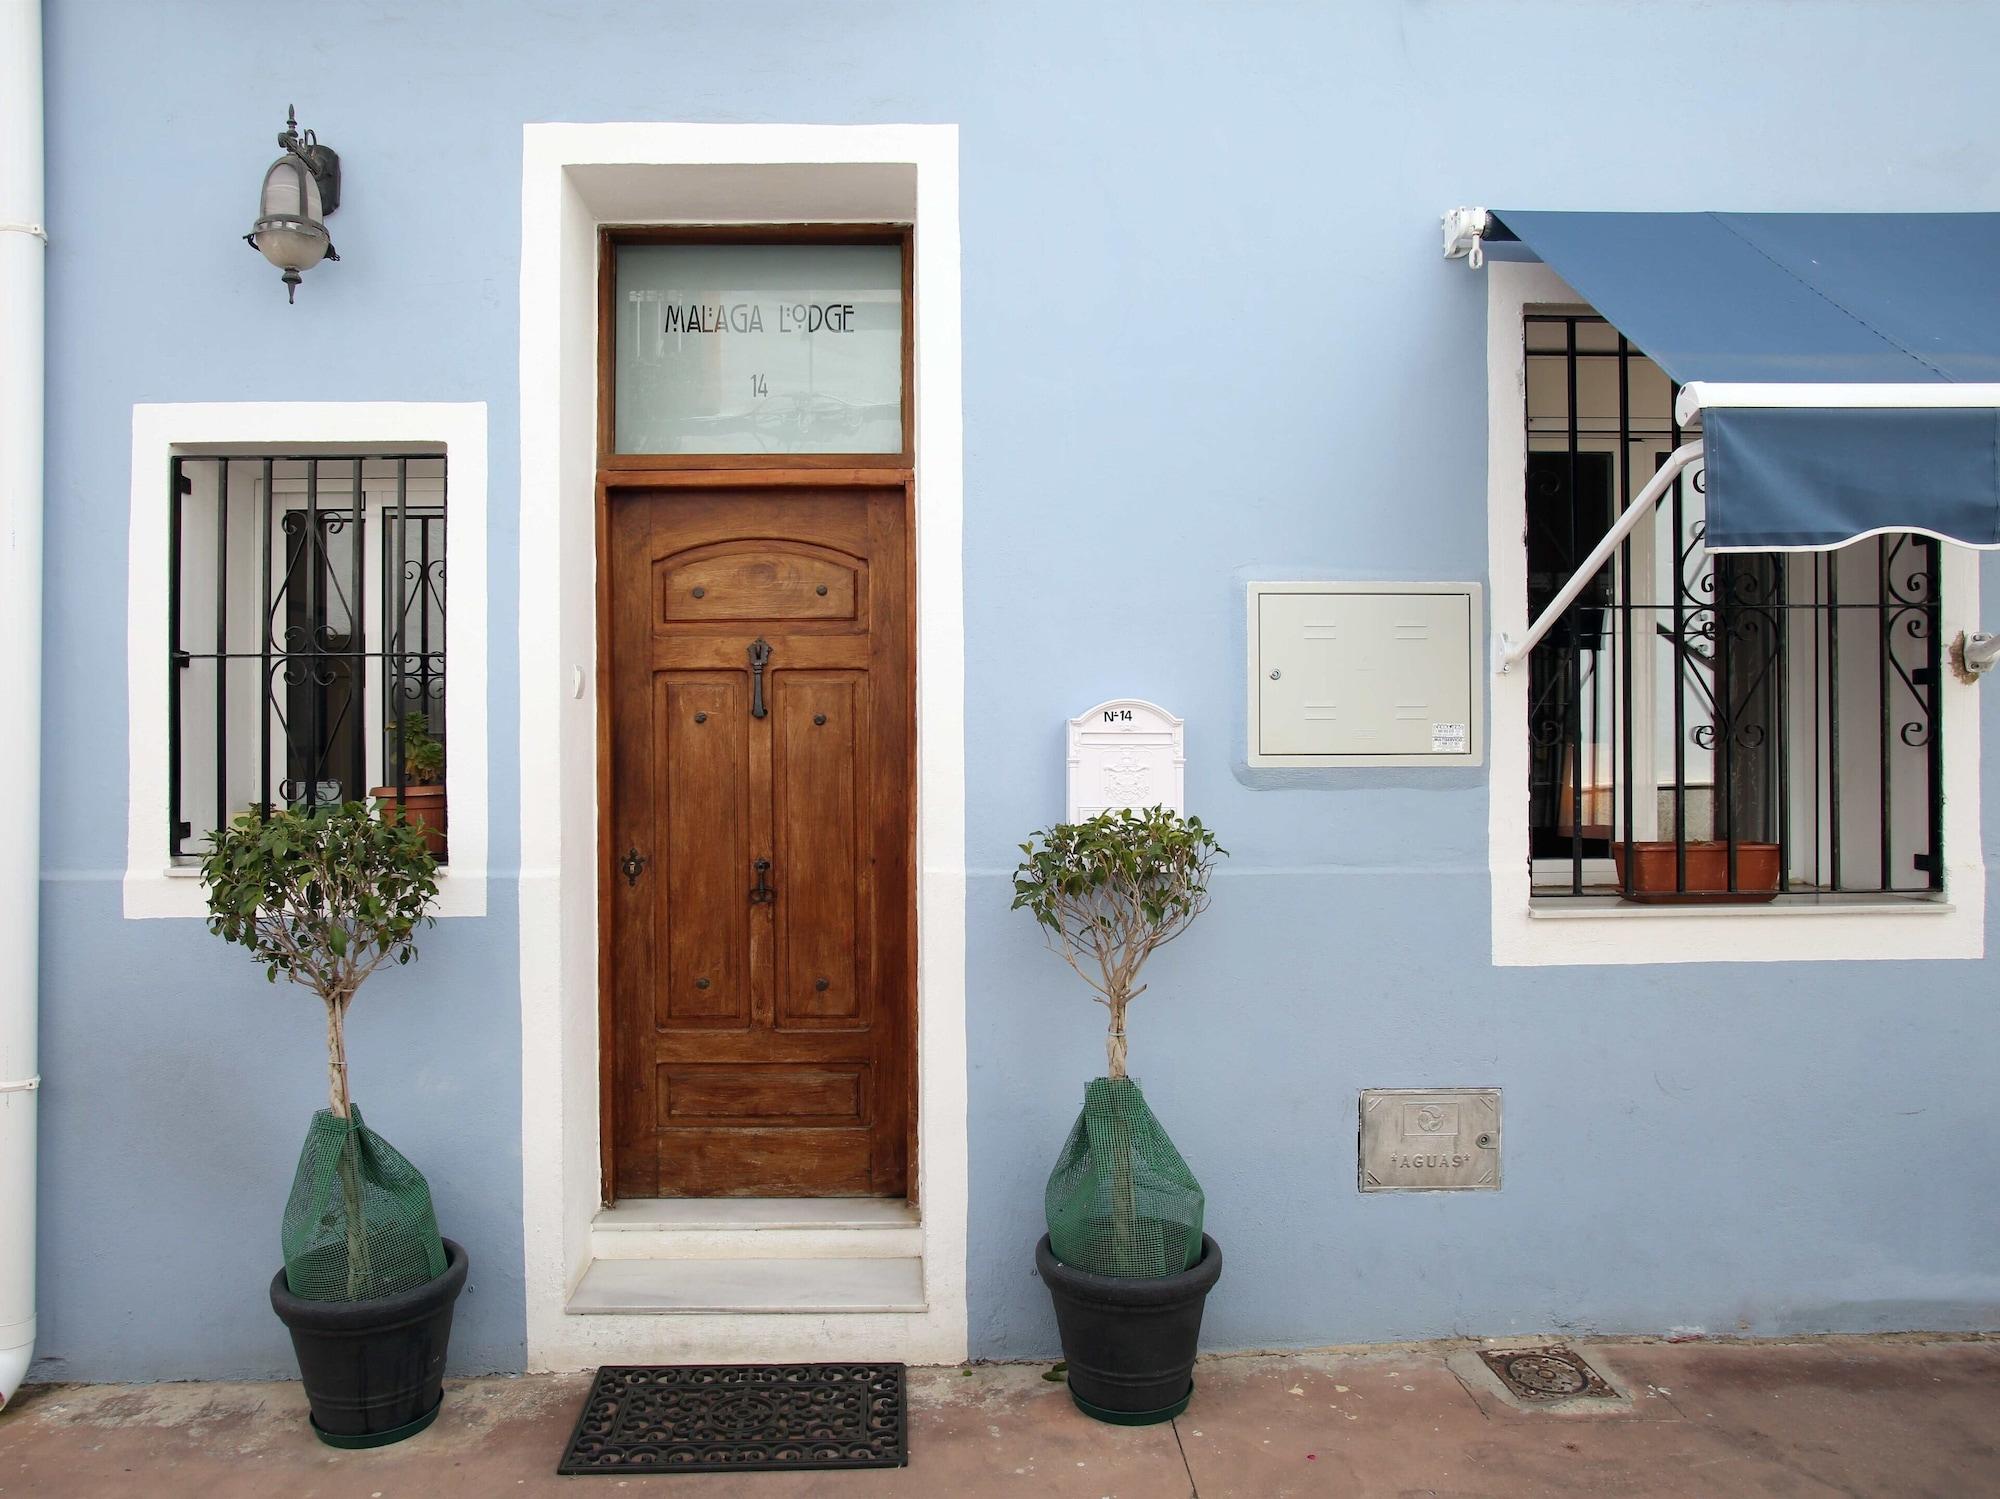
{"x": 374, "y": 1370}
{"x": 1130, "y": 1342}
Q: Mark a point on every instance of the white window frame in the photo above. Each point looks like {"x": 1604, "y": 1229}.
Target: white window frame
{"x": 1529, "y": 933}
{"x": 154, "y": 886}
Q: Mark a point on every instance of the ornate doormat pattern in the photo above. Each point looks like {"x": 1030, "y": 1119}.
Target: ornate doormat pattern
{"x": 715, "y": 1418}
{"x": 1547, "y": 1374}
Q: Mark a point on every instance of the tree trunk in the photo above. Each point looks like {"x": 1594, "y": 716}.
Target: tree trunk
{"x": 1124, "y": 1197}
{"x": 336, "y": 1057}
{"x": 360, "y": 1273}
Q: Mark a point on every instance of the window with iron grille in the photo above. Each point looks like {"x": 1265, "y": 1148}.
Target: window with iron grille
{"x": 1710, "y": 726}
{"x": 306, "y": 619}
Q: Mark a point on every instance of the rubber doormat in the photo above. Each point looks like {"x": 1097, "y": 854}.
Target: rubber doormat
{"x": 716, "y": 1418}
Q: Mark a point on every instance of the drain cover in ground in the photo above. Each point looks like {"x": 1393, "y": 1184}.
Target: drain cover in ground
{"x": 1547, "y": 1374}
{"x": 710, "y": 1418}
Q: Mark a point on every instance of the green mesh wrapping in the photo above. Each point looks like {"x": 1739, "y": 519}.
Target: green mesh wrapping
{"x": 1121, "y": 1201}
{"x": 359, "y": 1224}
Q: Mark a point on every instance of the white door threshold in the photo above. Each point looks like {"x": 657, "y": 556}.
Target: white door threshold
{"x": 792, "y": 1285}
{"x": 756, "y": 1228}
{"x": 690, "y": 1213}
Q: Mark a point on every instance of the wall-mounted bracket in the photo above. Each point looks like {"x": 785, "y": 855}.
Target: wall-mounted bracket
{"x": 1462, "y": 230}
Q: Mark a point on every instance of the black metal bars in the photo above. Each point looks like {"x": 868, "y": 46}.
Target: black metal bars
{"x": 1767, "y": 717}
{"x": 277, "y": 551}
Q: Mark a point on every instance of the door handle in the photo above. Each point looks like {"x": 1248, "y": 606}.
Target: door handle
{"x": 760, "y": 655}
{"x": 633, "y": 865}
{"x": 763, "y": 892}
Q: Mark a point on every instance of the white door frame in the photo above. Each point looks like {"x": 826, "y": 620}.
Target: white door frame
{"x": 574, "y": 179}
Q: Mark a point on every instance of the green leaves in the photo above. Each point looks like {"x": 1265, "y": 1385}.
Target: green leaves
{"x": 1116, "y": 888}
{"x": 322, "y": 898}
{"x": 423, "y": 756}
{"x": 1156, "y": 861}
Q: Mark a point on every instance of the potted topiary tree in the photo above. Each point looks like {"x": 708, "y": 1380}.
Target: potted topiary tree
{"x": 419, "y": 799}
{"x": 324, "y": 899}
{"x": 1125, "y": 1259}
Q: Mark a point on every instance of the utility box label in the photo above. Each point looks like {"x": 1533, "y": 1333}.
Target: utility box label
{"x": 1125, "y": 753}
{"x": 1436, "y": 1140}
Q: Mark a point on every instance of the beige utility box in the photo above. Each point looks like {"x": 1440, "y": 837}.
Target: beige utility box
{"x": 1356, "y": 674}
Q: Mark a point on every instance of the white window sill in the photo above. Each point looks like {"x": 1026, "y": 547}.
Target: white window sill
{"x": 193, "y": 871}
{"x": 1603, "y": 931}
{"x": 1611, "y": 908}
{"x": 174, "y": 892}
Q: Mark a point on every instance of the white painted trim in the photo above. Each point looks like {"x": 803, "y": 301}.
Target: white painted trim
{"x": 152, "y": 887}
{"x": 1700, "y": 395}
{"x": 1522, "y": 936}
{"x": 1611, "y": 908}
{"x": 574, "y": 178}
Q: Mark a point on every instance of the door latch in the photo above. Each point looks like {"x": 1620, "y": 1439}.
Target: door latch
{"x": 760, "y": 655}
{"x": 763, "y": 892}
{"x": 634, "y": 865}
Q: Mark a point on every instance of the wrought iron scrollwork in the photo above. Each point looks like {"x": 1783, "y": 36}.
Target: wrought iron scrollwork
{"x": 1747, "y": 698}
{"x": 325, "y": 663}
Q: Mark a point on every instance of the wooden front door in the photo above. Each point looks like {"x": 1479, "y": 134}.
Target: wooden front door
{"x": 758, "y": 841}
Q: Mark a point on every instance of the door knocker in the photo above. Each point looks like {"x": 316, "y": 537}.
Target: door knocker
{"x": 760, "y": 655}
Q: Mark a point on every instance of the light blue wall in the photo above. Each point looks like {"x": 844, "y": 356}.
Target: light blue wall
{"x": 1207, "y": 331}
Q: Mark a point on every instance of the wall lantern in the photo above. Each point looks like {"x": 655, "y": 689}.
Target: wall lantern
{"x": 300, "y": 189}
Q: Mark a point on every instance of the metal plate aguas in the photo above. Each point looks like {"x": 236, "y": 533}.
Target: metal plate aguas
{"x": 1430, "y": 1140}
{"x": 1548, "y": 1375}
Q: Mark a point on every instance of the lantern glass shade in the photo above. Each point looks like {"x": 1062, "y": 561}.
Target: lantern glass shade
{"x": 288, "y": 231}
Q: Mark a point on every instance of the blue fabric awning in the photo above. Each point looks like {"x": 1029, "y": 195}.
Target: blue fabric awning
{"x": 1846, "y": 343}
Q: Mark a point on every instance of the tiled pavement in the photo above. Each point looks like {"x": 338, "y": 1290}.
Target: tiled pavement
{"x": 1865, "y": 1418}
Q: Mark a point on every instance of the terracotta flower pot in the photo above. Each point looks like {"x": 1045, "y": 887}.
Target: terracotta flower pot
{"x": 1653, "y": 874}
{"x": 421, "y": 806}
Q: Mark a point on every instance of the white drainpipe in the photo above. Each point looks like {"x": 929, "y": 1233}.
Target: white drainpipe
{"x": 22, "y": 245}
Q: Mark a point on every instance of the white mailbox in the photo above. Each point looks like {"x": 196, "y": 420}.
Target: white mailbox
{"x": 1353, "y": 674}
{"x": 1125, "y": 753}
